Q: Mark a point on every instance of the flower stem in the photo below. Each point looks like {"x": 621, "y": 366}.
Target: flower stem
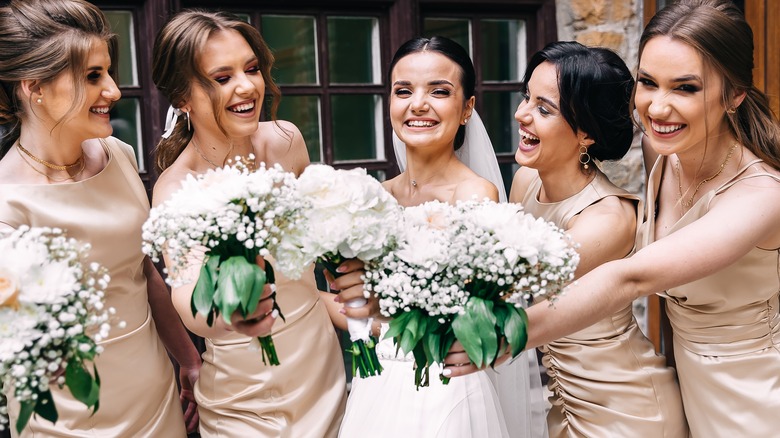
{"x": 268, "y": 351}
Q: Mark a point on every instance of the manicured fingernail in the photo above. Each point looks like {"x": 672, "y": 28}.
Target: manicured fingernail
{"x": 342, "y": 311}
{"x": 341, "y": 269}
{"x": 447, "y": 372}
{"x": 332, "y": 286}
{"x": 275, "y": 313}
{"x": 336, "y": 299}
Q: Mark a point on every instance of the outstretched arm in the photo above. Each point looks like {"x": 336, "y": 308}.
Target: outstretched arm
{"x": 691, "y": 253}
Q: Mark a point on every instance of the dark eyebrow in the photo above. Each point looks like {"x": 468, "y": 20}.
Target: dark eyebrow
{"x": 548, "y": 102}
{"x": 441, "y": 82}
{"x": 402, "y": 83}
{"x": 684, "y": 78}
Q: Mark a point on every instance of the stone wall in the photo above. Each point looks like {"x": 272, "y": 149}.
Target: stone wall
{"x": 617, "y": 25}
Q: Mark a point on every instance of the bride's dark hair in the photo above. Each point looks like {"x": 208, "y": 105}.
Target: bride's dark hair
{"x": 452, "y": 50}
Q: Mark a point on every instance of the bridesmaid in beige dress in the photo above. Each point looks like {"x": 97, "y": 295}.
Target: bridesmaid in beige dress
{"x": 60, "y": 168}
{"x": 712, "y": 236}
{"x": 214, "y": 68}
{"x": 606, "y": 379}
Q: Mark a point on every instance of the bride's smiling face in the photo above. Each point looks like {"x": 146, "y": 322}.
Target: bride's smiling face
{"x": 427, "y": 102}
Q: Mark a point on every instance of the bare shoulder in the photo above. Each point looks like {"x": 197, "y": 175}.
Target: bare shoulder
{"x": 474, "y": 186}
{"x": 610, "y": 213}
{"x": 281, "y": 142}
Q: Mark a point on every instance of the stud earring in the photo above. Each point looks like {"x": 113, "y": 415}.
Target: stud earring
{"x": 39, "y": 101}
{"x": 731, "y": 110}
{"x": 584, "y": 156}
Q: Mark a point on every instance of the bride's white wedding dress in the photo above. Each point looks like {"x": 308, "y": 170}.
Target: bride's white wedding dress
{"x": 505, "y": 402}
{"x": 470, "y": 406}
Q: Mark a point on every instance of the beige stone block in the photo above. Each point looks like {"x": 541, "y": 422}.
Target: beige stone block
{"x": 610, "y": 40}
{"x": 590, "y": 11}
{"x": 621, "y": 10}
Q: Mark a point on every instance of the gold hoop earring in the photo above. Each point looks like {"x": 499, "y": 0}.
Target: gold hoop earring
{"x": 731, "y": 110}
{"x": 189, "y": 127}
{"x": 584, "y": 157}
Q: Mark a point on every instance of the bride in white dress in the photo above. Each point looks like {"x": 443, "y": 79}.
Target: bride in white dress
{"x": 445, "y": 154}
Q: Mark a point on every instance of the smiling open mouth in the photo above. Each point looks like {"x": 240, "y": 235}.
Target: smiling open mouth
{"x": 528, "y": 138}
{"x": 242, "y": 108}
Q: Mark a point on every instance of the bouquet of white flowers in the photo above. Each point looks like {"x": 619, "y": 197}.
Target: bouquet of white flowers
{"x": 465, "y": 272}
{"x": 351, "y": 216}
{"x": 233, "y": 215}
{"x": 52, "y": 314}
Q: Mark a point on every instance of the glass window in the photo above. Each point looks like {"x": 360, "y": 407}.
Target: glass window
{"x": 294, "y": 44}
{"x": 503, "y": 50}
{"x": 357, "y": 127}
{"x": 122, "y": 25}
{"x": 126, "y": 121}
{"x": 458, "y": 30}
{"x": 304, "y": 112}
{"x": 498, "y": 113}
{"x": 353, "y": 48}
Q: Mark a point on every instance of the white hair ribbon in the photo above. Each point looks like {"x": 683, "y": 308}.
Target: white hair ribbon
{"x": 170, "y": 120}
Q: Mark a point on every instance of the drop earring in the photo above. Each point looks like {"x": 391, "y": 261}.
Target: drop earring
{"x": 584, "y": 156}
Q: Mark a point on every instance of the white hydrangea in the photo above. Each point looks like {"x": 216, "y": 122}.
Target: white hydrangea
{"x": 52, "y": 309}
{"x": 258, "y": 210}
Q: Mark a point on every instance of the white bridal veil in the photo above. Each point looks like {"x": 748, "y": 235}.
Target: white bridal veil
{"x": 517, "y": 383}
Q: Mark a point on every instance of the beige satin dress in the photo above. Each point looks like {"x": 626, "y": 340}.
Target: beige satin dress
{"x": 606, "y": 380}
{"x": 303, "y": 397}
{"x": 138, "y": 395}
{"x": 726, "y": 334}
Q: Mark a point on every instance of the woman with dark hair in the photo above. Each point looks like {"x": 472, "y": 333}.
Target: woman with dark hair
{"x": 61, "y": 168}
{"x": 445, "y": 155}
{"x": 710, "y": 243}
{"x": 605, "y": 379}
{"x": 214, "y": 68}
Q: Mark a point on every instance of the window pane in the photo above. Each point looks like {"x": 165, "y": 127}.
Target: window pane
{"x": 507, "y": 173}
{"x": 126, "y": 121}
{"x": 503, "y": 50}
{"x": 498, "y": 113}
{"x": 122, "y": 25}
{"x": 357, "y": 127}
{"x": 304, "y": 112}
{"x": 458, "y": 30}
{"x": 353, "y": 46}
{"x": 293, "y": 42}
{"x": 379, "y": 175}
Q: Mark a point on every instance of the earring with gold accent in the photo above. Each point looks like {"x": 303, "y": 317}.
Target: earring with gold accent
{"x": 584, "y": 156}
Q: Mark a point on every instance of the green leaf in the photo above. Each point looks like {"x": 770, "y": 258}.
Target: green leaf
{"x": 45, "y": 406}
{"x": 516, "y": 329}
{"x": 83, "y": 387}
{"x": 25, "y": 412}
{"x": 233, "y": 282}
{"x": 414, "y": 331}
{"x": 432, "y": 344}
{"x": 253, "y": 298}
{"x": 398, "y": 325}
{"x": 475, "y": 329}
{"x": 203, "y": 295}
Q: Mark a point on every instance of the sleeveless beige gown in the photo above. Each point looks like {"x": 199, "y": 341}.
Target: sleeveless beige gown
{"x": 726, "y": 334}
{"x": 138, "y": 395}
{"x": 303, "y": 397}
{"x": 606, "y": 380}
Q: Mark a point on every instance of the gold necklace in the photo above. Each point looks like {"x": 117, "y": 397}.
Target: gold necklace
{"x": 197, "y": 149}
{"x": 72, "y": 177}
{"x": 52, "y": 165}
{"x": 689, "y": 202}
{"x": 247, "y": 162}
